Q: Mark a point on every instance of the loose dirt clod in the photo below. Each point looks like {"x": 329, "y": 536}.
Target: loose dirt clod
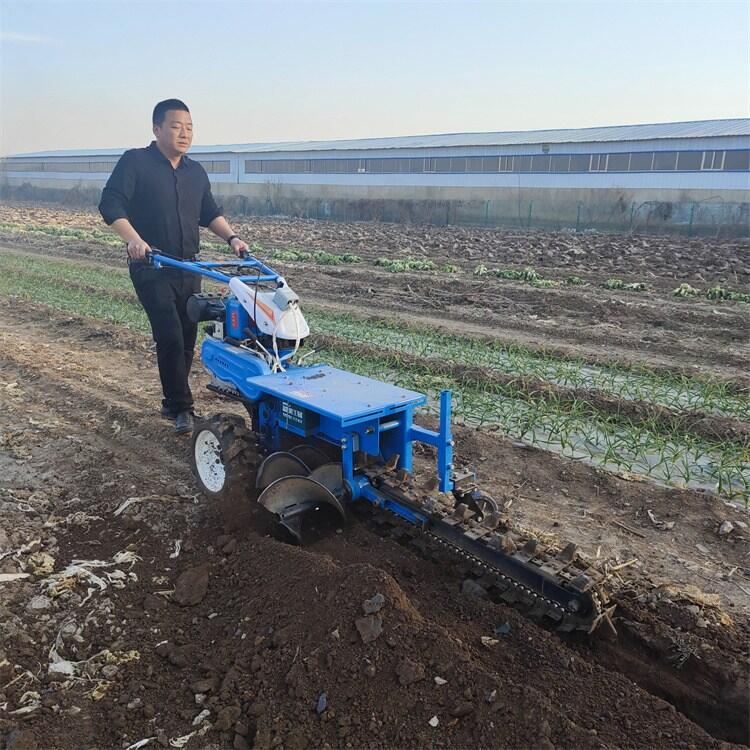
{"x": 191, "y": 586}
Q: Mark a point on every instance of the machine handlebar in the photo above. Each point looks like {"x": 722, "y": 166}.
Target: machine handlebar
{"x": 213, "y": 269}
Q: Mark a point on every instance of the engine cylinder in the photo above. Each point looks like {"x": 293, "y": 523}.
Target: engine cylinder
{"x": 205, "y": 306}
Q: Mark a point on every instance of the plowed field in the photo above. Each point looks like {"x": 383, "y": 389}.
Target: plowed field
{"x": 134, "y": 610}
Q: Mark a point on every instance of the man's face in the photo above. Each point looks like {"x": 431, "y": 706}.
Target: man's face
{"x": 175, "y": 134}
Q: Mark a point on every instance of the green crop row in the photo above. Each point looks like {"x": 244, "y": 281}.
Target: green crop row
{"x": 674, "y": 391}
{"x": 680, "y": 393}
{"x": 528, "y": 275}
{"x": 571, "y": 428}
{"x": 320, "y": 257}
{"x": 401, "y": 265}
{"x": 574, "y": 429}
{"x": 714, "y": 293}
{"x": 101, "y": 236}
{"x": 394, "y": 265}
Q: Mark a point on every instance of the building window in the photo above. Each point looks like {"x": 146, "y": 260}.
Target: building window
{"x": 641, "y": 161}
{"x": 618, "y": 162}
{"x": 522, "y": 164}
{"x": 101, "y": 167}
{"x": 737, "y": 161}
{"x": 215, "y": 167}
{"x": 65, "y": 166}
{"x": 665, "y": 161}
{"x": 689, "y": 161}
{"x": 559, "y": 163}
{"x": 638, "y": 161}
{"x": 599, "y": 162}
{"x": 580, "y": 163}
{"x": 458, "y": 164}
{"x": 20, "y": 166}
{"x": 318, "y": 166}
{"x": 491, "y": 163}
{"x": 713, "y": 159}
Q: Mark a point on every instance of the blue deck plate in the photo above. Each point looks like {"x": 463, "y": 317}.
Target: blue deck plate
{"x": 336, "y": 393}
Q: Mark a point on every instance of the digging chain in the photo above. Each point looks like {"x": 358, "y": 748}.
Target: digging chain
{"x": 534, "y": 605}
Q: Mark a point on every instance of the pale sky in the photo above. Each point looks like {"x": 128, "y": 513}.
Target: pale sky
{"x": 79, "y": 74}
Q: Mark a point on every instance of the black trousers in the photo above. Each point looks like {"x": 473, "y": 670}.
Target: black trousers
{"x": 164, "y": 292}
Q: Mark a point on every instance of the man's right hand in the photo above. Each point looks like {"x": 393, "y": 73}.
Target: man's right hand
{"x": 137, "y": 249}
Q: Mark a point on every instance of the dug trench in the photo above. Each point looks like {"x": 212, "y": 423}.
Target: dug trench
{"x": 264, "y": 636}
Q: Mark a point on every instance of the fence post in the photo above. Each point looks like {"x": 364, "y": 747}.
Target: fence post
{"x": 578, "y": 217}
{"x": 528, "y": 221}
{"x": 486, "y": 213}
{"x": 690, "y": 223}
{"x": 632, "y": 214}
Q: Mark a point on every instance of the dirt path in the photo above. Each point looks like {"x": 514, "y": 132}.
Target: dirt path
{"x": 272, "y": 627}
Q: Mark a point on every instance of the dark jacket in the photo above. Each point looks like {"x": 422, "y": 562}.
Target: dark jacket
{"x": 166, "y": 206}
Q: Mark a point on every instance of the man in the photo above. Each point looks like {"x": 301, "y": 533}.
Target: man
{"x": 158, "y": 197}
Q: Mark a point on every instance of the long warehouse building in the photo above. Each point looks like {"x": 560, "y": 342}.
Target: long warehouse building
{"x": 683, "y": 176}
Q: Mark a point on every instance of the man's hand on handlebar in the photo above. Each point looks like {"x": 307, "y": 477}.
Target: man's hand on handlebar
{"x": 239, "y": 247}
{"x": 137, "y": 249}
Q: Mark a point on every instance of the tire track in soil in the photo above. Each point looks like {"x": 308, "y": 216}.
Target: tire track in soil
{"x": 416, "y": 582}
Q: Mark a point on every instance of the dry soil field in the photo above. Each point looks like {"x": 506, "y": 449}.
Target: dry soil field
{"x": 616, "y": 418}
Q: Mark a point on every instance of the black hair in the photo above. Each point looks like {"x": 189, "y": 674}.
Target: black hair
{"x": 161, "y": 109}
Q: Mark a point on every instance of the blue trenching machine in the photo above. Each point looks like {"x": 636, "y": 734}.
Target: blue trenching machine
{"x": 321, "y": 438}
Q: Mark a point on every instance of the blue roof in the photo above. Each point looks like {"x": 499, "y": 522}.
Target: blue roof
{"x": 666, "y": 130}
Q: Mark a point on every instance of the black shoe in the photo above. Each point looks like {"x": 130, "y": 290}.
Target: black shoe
{"x": 183, "y": 423}
{"x": 167, "y": 413}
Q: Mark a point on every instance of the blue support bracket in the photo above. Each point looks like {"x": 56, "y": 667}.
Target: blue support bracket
{"x": 369, "y": 493}
{"x": 442, "y": 440}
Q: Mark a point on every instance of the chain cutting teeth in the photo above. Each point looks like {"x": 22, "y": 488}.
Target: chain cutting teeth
{"x": 536, "y": 606}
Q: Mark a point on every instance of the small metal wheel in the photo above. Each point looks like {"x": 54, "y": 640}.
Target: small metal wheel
{"x": 224, "y": 456}
{"x": 481, "y": 504}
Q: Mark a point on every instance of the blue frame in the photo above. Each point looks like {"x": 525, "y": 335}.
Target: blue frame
{"x": 350, "y": 411}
